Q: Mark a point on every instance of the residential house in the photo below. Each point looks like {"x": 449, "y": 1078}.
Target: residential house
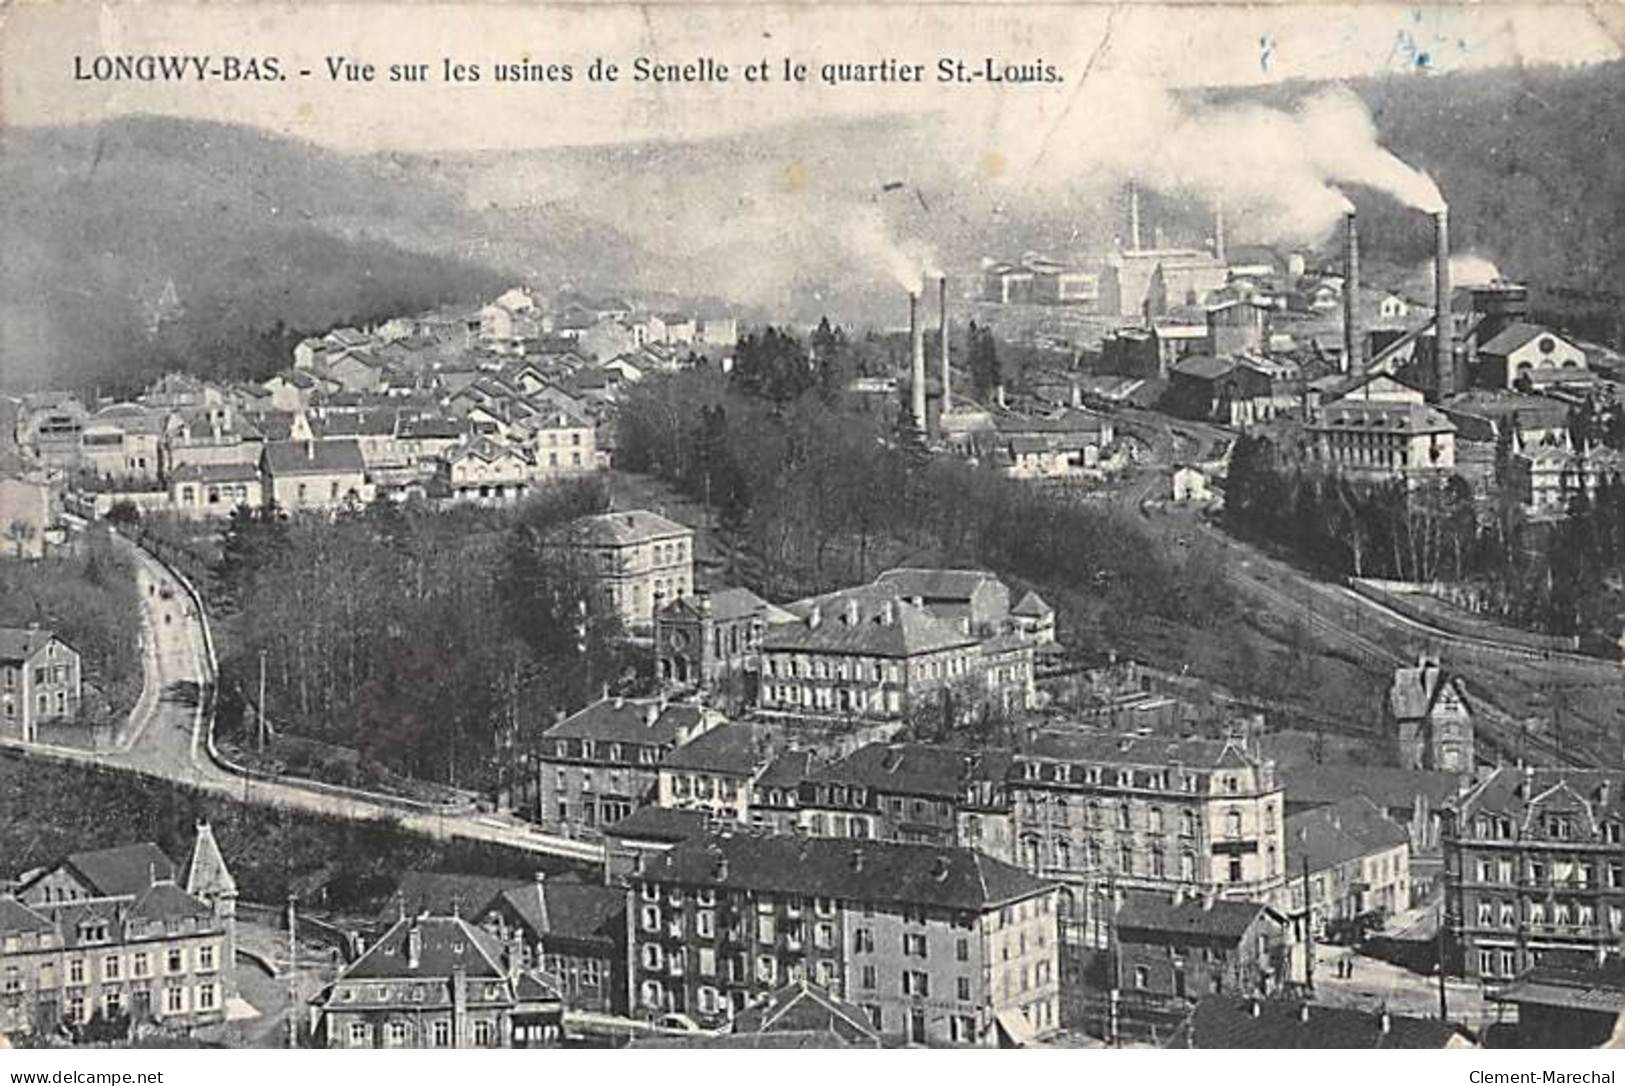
{"x": 1545, "y": 480}
{"x": 486, "y": 472}
{"x": 804, "y": 1010}
{"x": 775, "y": 796}
{"x": 891, "y": 792}
{"x": 109, "y": 933}
{"x": 1349, "y": 864}
{"x": 41, "y": 681}
{"x": 575, "y": 932}
{"x": 1534, "y": 870}
{"x": 1432, "y": 719}
{"x": 121, "y": 444}
{"x": 562, "y": 441}
{"x": 936, "y": 945}
{"x": 315, "y": 475}
{"x": 596, "y": 767}
{"x": 1174, "y": 949}
{"x": 639, "y": 559}
{"x": 1033, "y": 619}
{"x": 214, "y": 490}
{"x": 438, "y": 982}
{"x": 714, "y": 772}
{"x": 1382, "y": 440}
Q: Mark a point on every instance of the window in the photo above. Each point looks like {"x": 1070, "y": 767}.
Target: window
{"x": 1142, "y": 977}
{"x": 76, "y": 971}
{"x": 916, "y": 983}
{"x": 913, "y": 945}
{"x": 1232, "y": 823}
{"x": 653, "y": 957}
{"x": 866, "y": 977}
{"x": 483, "y": 1034}
{"x": 174, "y": 1000}
{"x": 111, "y": 967}
{"x": 205, "y": 958}
{"x": 863, "y": 941}
{"x": 139, "y": 965}
{"x": 1235, "y": 869}
{"x": 176, "y": 960}
{"x": 767, "y": 969}
{"x": 962, "y": 989}
{"x": 962, "y": 950}
{"x": 441, "y": 1033}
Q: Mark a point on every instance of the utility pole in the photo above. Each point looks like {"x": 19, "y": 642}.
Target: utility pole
{"x": 293, "y": 983}
{"x": 1444, "y": 915}
{"x": 1308, "y": 933}
{"x": 261, "y": 707}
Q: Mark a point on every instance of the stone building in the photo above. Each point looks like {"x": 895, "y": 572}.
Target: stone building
{"x": 641, "y": 561}
{"x": 40, "y": 681}
{"x": 1432, "y": 718}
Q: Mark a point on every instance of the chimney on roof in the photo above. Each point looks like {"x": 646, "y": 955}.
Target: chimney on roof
{"x": 1303, "y": 1012}
{"x": 939, "y": 870}
{"x": 888, "y": 612}
{"x": 719, "y": 870}
{"x": 814, "y": 617}
{"x": 310, "y": 449}
{"x": 414, "y": 945}
{"x": 852, "y": 611}
{"x": 1207, "y": 902}
{"x": 942, "y": 296}
{"x": 1077, "y": 395}
{"x": 857, "y": 859}
{"x": 1385, "y": 1021}
{"x": 541, "y": 877}
{"x": 651, "y": 713}
{"x": 620, "y": 702}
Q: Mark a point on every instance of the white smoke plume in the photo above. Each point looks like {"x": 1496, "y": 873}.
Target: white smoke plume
{"x": 1472, "y": 270}
{"x": 872, "y": 242}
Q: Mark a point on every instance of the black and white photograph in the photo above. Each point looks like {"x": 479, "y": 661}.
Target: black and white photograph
{"x": 892, "y": 526}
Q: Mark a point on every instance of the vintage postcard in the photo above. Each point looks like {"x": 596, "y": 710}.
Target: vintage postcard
{"x": 792, "y": 526}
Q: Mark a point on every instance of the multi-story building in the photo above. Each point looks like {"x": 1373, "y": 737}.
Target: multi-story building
{"x": 40, "y": 681}
{"x": 1546, "y": 479}
{"x": 1202, "y": 815}
{"x": 438, "y": 982}
{"x": 1534, "y": 869}
{"x": 1432, "y": 719}
{"x": 214, "y": 490}
{"x": 864, "y": 652}
{"x": 575, "y": 932}
{"x": 601, "y": 764}
{"x": 894, "y": 792}
{"x": 714, "y": 772}
{"x": 110, "y": 935}
{"x": 640, "y": 560}
{"x": 713, "y": 640}
{"x": 937, "y": 945}
{"x": 1383, "y": 440}
{"x": 1347, "y": 863}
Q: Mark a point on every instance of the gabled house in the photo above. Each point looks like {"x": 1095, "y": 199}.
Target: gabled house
{"x": 1432, "y": 718}
{"x": 41, "y": 681}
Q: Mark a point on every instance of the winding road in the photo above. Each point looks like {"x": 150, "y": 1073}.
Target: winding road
{"x": 166, "y": 736}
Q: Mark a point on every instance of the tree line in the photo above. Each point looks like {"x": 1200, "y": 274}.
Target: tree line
{"x": 1563, "y": 577}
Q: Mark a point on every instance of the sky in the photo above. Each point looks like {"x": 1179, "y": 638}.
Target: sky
{"x": 1095, "y": 48}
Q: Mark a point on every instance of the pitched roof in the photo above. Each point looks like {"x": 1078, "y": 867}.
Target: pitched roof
{"x": 1597, "y": 989}
{"x": 1389, "y": 787}
{"x": 440, "y": 893}
{"x": 728, "y": 605}
{"x": 733, "y": 749}
{"x": 214, "y": 473}
{"x": 1195, "y": 752}
{"x": 882, "y": 872}
{"x": 787, "y": 770}
{"x": 885, "y": 625}
{"x": 1411, "y": 418}
{"x": 22, "y": 642}
{"x": 914, "y": 769}
{"x": 314, "y": 457}
{"x": 1331, "y": 835}
{"x": 448, "y": 943}
{"x": 122, "y": 871}
{"x": 803, "y": 1007}
{"x": 936, "y": 584}
{"x": 566, "y": 909}
{"x": 1521, "y": 793}
{"x": 1513, "y": 336}
{"x": 208, "y": 874}
{"x": 1203, "y": 366}
{"x": 622, "y": 528}
{"x": 1229, "y": 1022}
{"x": 633, "y": 720}
{"x": 1144, "y": 912}
{"x": 663, "y": 824}
{"x": 1032, "y": 605}
{"x": 1415, "y": 690}
{"x": 18, "y": 919}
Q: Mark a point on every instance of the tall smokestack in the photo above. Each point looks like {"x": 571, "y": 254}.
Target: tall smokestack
{"x": 1443, "y": 331}
{"x": 1134, "y": 218}
{"x": 942, "y": 331}
{"x": 1218, "y": 231}
{"x": 916, "y": 348}
{"x": 1352, "y": 338}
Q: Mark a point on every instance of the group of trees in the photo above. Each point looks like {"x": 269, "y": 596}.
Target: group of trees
{"x": 88, "y": 598}
{"x": 434, "y": 643}
{"x": 809, "y": 495}
{"x": 1565, "y": 577}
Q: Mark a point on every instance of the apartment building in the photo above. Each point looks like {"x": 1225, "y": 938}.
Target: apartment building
{"x": 40, "y": 681}
{"x": 111, "y": 935}
{"x": 1347, "y": 862}
{"x": 599, "y": 765}
{"x": 937, "y": 945}
{"x": 1534, "y": 870}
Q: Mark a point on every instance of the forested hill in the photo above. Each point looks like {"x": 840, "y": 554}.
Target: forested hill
{"x": 260, "y": 237}
{"x": 264, "y": 236}
{"x": 1531, "y": 160}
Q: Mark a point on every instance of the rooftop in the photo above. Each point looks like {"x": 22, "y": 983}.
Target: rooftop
{"x": 314, "y": 457}
{"x": 1231, "y": 1022}
{"x": 634, "y": 720}
{"x": 22, "y": 642}
{"x": 871, "y": 620}
{"x": 448, "y": 943}
{"x": 626, "y": 528}
{"x": 1158, "y": 913}
{"x": 733, "y": 749}
{"x": 880, "y": 872}
{"x": 1327, "y": 836}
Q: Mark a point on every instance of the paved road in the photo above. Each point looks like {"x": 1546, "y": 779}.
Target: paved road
{"x": 166, "y": 736}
